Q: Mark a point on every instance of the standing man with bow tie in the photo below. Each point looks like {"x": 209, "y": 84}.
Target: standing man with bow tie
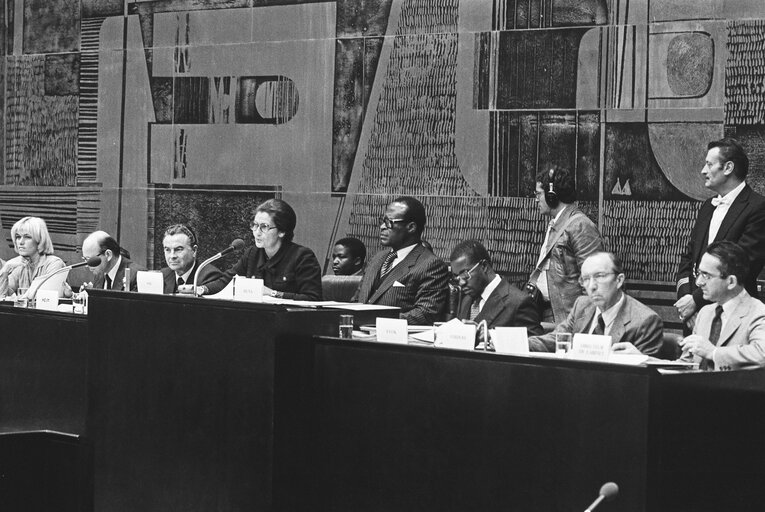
{"x": 736, "y": 214}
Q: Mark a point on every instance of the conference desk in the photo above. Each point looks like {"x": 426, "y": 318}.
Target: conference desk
{"x": 402, "y": 427}
{"x": 200, "y": 404}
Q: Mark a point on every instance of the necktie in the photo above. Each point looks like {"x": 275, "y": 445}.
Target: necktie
{"x": 601, "y": 327}
{"x": 108, "y": 281}
{"x": 475, "y": 308}
{"x": 386, "y": 266}
{"x": 180, "y": 281}
{"x": 714, "y": 336}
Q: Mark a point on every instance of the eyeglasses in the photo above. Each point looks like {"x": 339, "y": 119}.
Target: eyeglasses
{"x": 389, "y": 222}
{"x": 465, "y": 275}
{"x": 261, "y": 228}
{"x": 599, "y": 278}
{"x": 86, "y": 258}
{"x": 705, "y": 276}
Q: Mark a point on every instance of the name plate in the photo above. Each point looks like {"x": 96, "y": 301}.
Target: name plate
{"x": 248, "y": 290}
{"x": 456, "y": 335}
{"x": 510, "y": 340}
{"x": 46, "y": 300}
{"x": 150, "y": 282}
{"x": 591, "y": 347}
{"x": 392, "y": 330}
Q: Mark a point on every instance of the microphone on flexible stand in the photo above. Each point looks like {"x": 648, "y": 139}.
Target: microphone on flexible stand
{"x": 91, "y": 262}
{"x": 607, "y": 492}
{"x": 235, "y": 246}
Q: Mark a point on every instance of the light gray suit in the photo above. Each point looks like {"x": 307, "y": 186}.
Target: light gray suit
{"x": 635, "y": 323}
{"x": 742, "y": 339}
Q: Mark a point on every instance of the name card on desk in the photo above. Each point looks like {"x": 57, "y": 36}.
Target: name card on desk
{"x": 47, "y": 300}
{"x": 248, "y": 289}
{"x": 510, "y": 340}
{"x": 591, "y": 347}
{"x": 392, "y": 330}
{"x": 150, "y": 282}
{"x": 455, "y": 334}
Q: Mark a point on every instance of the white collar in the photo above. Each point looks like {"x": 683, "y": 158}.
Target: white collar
{"x": 113, "y": 272}
{"x": 490, "y": 288}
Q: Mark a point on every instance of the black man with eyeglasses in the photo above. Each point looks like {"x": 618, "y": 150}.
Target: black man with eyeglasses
{"x": 484, "y": 295}
{"x": 405, "y": 274}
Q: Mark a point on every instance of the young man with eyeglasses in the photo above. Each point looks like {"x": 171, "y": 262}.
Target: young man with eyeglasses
{"x": 607, "y": 310}
{"x": 406, "y": 274}
{"x": 729, "y": 333}
{"x": 484, "y": 295}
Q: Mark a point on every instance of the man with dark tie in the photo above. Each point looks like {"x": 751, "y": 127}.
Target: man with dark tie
{"x": 406, "y": 274}
{"x": 729, "y": 332}
{"x": 485, "y": 295}
{"x": 114, "y": 261}
{"x": 180, "y": 245}
{"x": 570, "y": 237}
{"x": 607, "y": 310}
{"x": 736, "y": 214}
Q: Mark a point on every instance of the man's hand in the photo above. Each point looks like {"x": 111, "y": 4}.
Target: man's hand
{"x": 686, "y": 307}
{"x": 625, "y": 347}
{"x": 695, "y": 345}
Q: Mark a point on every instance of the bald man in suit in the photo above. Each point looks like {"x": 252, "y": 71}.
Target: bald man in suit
{"x": 406, "y": 274}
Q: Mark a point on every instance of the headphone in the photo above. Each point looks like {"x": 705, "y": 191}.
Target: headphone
{"x": 551, "y": 197}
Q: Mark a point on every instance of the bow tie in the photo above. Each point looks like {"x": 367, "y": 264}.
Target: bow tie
{"x": 717, "y": 201}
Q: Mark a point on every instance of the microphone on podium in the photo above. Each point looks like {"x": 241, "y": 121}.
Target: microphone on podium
{"x": 607, "y": 492}
{"x": 236, "y": 245}
{"x": 39, "y": 281}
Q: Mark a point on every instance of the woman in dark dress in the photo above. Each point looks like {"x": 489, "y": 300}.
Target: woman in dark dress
{"x": 288, "y": 270}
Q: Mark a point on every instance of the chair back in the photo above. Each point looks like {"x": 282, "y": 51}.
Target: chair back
{"x": 339, "y": 288}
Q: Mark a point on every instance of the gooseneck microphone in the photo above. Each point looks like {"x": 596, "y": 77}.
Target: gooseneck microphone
{"x": 607, "y": 492}
{"x": 91, "y": 262}
{"x": 234, "y": 246}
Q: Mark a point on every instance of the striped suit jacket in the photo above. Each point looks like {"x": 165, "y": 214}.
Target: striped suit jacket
{"x": 418, "y": 285}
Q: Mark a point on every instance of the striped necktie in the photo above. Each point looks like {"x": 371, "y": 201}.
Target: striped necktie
{"x": 387, "y": 264}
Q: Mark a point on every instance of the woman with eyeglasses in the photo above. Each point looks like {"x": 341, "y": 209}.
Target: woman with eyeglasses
{"x": 288, "y": 270}
{"x": 33, "y": 245}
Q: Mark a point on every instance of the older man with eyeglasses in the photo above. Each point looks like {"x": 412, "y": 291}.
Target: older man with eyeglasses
{"x": 406, "y": 274}
{"x": 484, "y": 295}
{"x": 607, "y": 310}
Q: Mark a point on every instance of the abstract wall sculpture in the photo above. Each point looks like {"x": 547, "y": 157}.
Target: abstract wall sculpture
{"x": 128, "y": 116}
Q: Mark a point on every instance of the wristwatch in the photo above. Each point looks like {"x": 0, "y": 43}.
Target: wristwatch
{"x": 278, "y": 295}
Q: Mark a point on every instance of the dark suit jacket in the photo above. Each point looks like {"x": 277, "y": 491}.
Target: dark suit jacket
{"x": 293, "y": 270}
{"x": 744, "y": 223}
{"x": 209, "y": 273}
{"x": 507, "y": 306}
{"x": 418, "y": 285}
{"x": 635, "y": 323}
{"x": 119, "y": 279}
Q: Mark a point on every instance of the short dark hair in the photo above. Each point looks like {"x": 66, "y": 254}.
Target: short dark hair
{"x": 282, "y": 214}
{"x": 182, "y": 229}
{"x": 355, "y": 246}
{"x": 563, "y": 182}
{"x": 473, "y": 250}
{"x": 415, "y": 211}
{"x": 731, "y": 150}
{"x": 109, "y": 243}
{"x": 733, "y": 259}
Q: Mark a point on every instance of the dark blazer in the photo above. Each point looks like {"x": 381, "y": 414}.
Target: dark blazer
{"x": 119, "y": 278}
{"x": 744, "y": 223}
{"x": 636, "y": 323}
{"x": 293, "y": 270}
{"x": 418, "y": 285}
{"x": 209, "y": 273}
{"x": 507, "y": 306}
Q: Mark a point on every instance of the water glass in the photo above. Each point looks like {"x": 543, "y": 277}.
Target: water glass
{"x": 346, "y": 326}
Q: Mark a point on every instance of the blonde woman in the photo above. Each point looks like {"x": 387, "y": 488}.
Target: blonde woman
{"x": 33, "y": 245}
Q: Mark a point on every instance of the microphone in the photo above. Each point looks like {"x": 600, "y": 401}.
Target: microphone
{"x": 607, "y": 492}
{"x": 91, "y": 262}
{"x": 235, "y": 246}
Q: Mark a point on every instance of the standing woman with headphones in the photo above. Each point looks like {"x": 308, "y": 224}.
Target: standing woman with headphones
{"x": 571, "y": 237}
